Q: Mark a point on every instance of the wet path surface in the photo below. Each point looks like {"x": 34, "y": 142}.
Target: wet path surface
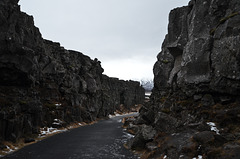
{"x": 103, "y": 140}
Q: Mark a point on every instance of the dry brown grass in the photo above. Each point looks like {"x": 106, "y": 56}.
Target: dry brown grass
{"x": 130, "y": 131}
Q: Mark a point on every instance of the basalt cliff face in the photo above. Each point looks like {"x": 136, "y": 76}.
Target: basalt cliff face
{"x": 44, "y": 85}
{"x": 194, "y": 109}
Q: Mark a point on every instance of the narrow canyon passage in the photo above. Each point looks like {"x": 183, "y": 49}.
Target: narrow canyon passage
{"x": 103, "y": 140}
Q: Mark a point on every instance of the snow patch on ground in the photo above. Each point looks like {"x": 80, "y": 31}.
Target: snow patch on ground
{"x": 128, "y": 135}
{"x": 116, "y": 114}
{"x": 47, "y": 131}
{"x": 213, "y": 127}
{"x": 9, "y": 150}
{"x": 120, "y": 120}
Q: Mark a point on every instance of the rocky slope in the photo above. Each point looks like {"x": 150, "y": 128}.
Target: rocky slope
{"x": 194, "y": 109}
{"x": 41, "y": 82}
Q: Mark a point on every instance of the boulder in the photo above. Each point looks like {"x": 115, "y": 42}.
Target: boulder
{"x": 204, "y": 137}
{"x": 144, "y": 135}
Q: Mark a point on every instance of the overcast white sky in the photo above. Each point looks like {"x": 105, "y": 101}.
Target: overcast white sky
{"x": 125, "y": 35}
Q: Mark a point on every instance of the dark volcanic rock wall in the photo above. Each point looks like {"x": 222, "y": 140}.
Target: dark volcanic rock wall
{"x": 194, "y": 108}
{"x": 201, "y": 50}
{"x": 41, "y": 81}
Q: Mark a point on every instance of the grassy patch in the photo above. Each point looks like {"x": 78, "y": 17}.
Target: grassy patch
{"x": 165, "y": 61}
{"x": 228, "y": 17}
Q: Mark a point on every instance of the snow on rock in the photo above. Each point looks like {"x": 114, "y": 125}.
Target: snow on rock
{"x": 213, "y": 127}
{"x": 58, "y": 104}
{"x": 57, "y": 122}
{"x": 199, "y": 157}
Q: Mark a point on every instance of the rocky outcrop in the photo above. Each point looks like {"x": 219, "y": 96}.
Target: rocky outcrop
{"x": 194, "y": 106}
{"x": 41, "y": 82}
{"x": 200, "y": 52}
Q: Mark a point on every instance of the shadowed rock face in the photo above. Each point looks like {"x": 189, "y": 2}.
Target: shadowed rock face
{"x": 41, "y": 81}
{"x": 195, "y": 100}
{"x": 201, "y": 50}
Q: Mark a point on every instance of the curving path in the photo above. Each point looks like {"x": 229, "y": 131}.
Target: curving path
{"x": 103, "y": 140}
